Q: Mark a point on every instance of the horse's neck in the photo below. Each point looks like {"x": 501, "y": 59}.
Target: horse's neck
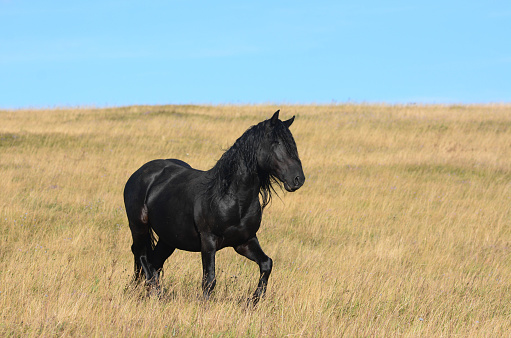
{"x": 245, "y": 186}
{"x": 243, "y": 189}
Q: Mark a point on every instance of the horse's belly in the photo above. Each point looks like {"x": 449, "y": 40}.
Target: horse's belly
{"x": 175, "y": 225}
{"x": 187, "y": 243}
{"x": 171, "y": 211}
{"x": 181, "y": 235}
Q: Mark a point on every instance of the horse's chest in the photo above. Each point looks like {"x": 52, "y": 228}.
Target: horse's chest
{"x": 233, "y": 221}
{"x": 237, "y": 234}
{"x": 236, "y": 230}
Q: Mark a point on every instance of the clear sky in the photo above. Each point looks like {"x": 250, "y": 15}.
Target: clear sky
{"x": 112, "y": 53}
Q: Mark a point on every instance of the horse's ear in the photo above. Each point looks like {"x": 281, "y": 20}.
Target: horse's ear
{"x": 275, "y": 117}
{"x": 289, "y": 122}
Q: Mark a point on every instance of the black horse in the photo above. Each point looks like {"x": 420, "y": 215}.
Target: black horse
{"x": 206, "y": 211}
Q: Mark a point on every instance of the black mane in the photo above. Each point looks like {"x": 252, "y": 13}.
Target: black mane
{"x": 242, "y": 157}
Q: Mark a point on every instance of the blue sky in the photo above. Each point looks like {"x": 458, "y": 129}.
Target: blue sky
{"x": 112, "y": 53}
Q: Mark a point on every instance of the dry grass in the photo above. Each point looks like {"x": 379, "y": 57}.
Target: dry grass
{"x": 403, "y": 226}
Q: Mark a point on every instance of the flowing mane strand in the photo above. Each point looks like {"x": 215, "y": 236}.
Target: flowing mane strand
{"x": 242, "y": 157}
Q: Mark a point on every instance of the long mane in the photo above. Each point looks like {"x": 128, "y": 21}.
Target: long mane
{"x": 241, "y": 157}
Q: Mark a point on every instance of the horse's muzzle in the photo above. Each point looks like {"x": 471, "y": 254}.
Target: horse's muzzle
{"x": 297, "y": 182}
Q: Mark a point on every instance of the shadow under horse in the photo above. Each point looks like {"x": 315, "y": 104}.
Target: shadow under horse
{"x": 205, "y": 211}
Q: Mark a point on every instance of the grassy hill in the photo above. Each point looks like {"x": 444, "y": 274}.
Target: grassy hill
{"x": 403, "y": 226}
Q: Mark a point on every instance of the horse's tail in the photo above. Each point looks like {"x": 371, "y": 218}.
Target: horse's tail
{"x": 153, "y": 237}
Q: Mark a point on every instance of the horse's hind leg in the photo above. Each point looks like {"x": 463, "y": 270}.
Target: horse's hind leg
{"x": 142, "y": 251}
{"x": 161, "y": 252}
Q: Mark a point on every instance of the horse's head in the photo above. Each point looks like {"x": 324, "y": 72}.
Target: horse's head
{"x": 278, "y": 155}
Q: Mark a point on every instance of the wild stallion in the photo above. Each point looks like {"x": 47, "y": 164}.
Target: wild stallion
{"x": 206, "y": 211}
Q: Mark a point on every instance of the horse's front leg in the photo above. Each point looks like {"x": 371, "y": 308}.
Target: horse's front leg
{"x": 252, "y": 250}
{"x": 208, "y": 251}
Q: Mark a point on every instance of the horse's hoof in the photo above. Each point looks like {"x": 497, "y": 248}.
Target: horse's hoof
{"x": 251, "y": 302}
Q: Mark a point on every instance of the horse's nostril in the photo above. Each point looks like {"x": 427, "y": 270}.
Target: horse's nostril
{"x": 297, "y": 181}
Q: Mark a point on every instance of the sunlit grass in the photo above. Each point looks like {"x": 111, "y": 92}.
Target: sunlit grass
{"x": 403, "y": 226}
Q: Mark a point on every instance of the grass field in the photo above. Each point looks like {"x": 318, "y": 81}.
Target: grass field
{"x": 403, "y": 226}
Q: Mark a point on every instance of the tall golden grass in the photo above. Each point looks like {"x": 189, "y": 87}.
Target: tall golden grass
{"x": 403, "y": 226}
